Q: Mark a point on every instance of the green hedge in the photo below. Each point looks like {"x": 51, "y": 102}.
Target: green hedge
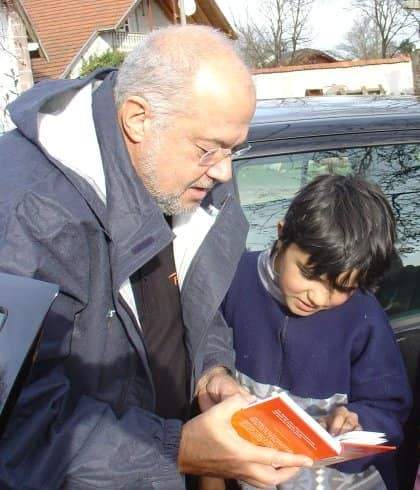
{"x": 111, "y": 58}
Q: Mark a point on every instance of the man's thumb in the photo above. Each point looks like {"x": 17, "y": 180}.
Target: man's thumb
{"x": 237, "y": 402}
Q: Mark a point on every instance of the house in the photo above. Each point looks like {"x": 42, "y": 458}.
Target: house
{"x": 19, "y": 41}
{"x": 308, "y": 56}
{"x": 73, "y": 30}
{"x": 391, "y": 76}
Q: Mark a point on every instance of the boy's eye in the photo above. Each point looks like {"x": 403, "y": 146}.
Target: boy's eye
{"x": 345, "y": 289}
{"x": 310, "y": 276}
{"x": 306, "y": 273}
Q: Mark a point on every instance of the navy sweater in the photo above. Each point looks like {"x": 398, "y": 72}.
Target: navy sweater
{"x": 349, "y": 349}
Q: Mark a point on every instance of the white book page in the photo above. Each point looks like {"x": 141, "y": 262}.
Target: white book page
{"x": 362, "y": 437}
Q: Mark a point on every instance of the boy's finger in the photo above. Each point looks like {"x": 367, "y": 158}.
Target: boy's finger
{"x": 350, "y": 422}
{"x": 348, "y": 425}
{"x": 336, "y": 424}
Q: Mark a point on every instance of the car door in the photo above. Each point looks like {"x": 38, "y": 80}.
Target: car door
{"x": 267, "y": 179}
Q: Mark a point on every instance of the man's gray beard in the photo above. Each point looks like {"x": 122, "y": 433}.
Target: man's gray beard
{"x": 169, "y": 204}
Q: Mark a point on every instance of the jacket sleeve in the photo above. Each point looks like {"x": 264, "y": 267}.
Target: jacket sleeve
{"x": 219, "y": 346}
{"x": 54, "y": 440}
{"x": 380, "y": 392}
{"x": 214, "y": 271}
{"x": 50, "y": 443}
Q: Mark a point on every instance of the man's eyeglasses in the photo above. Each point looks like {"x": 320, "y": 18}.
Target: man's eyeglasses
{"x": 216, "y": 155}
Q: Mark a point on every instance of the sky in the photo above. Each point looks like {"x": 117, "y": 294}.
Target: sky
{"x": 330, "y": 19}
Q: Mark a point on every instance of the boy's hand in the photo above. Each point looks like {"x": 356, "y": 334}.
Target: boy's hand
{"x": 340, "y": 421}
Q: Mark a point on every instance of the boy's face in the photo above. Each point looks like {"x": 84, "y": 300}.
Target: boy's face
{"x": 305, "y": 296}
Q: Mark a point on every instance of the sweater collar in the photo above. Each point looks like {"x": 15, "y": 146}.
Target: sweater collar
{"x": 267, "y": 273}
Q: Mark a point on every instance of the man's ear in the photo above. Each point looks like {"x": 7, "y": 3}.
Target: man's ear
{"x": 134, "y": 118}
{"x": 280, "y": 225}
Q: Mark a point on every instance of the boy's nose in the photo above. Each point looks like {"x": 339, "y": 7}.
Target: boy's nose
{"x": 318, "y": 298}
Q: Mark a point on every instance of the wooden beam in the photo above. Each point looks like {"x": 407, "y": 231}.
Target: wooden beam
{"x": 207, "y": 13}
{"x": 215, "y": 17}
{"x": 200, "y": 17}
{"x": 167, "y": 8}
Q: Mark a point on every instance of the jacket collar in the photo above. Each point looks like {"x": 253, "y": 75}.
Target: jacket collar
{"x": 137, "y": 227}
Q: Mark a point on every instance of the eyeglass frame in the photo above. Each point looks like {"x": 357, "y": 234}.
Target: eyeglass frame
{"x": 241, "y": 150}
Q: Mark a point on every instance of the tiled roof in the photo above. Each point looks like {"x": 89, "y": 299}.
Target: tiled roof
{"x": 330, "y": 66}
{"x": 64, "y": 26}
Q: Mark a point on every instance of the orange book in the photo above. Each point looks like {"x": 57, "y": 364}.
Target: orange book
{"x": 279, "y": 422}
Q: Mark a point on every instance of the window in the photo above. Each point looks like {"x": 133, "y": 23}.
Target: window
{"x": 124, "y": 27}
{"x": 267, "y": 185}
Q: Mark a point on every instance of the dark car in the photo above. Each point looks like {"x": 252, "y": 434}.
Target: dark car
{"x": 294, "y": 140}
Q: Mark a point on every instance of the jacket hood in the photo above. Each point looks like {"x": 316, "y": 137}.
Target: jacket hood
{"x": 57, "y": 117}
{"x": 50, "y": 96}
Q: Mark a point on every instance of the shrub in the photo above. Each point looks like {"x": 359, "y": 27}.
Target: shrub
{"x": 111, "y": 58}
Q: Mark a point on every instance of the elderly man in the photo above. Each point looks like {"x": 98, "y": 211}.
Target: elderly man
{"x": 108, "y": 188}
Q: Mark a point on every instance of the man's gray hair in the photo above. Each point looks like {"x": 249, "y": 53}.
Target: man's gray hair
{"x": 161, "y": 68}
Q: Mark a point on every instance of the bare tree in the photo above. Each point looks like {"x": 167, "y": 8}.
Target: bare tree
{"x": 362, "y": 41}
{"x": 389, "y": 20}
{"x": 280, "y": 28}
{"x": 9, "y": 73}
{"x": 299, "y": 15}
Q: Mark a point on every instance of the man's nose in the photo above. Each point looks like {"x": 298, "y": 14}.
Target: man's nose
{"x": 221, "y": 171}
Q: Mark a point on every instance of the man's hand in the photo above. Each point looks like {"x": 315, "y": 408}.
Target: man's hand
{"x": 340, "y": 421}
{"x": 216, "y": 386}
{"x": 210, "y": 446}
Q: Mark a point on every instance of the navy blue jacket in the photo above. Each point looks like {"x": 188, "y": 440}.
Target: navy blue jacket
{"x": 347, "y": 350}
{"x": 85, "y": 418}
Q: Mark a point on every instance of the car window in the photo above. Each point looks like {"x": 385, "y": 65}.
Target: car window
{"x": 266, "y": 186}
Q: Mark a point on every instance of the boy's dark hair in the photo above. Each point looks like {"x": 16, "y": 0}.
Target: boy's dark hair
{"x": 344, "y": 223}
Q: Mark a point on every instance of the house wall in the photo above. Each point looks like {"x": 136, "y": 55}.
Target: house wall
{"x": 395, "y": 78}
{"x": 138, "y": 24}
{"x": 20, "y": 38}
{"x": 138, "y": 20}
{"x": 16, "y": 72}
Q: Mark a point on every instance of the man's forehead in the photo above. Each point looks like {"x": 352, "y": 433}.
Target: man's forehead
{"x": 226, "y": 93}
{"x": 224, "y": 137}
{"x": 208, "y": 80}
{"x": 223, "y": 104}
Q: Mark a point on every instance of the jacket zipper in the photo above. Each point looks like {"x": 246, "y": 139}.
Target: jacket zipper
{"x": 130, "y": 313}
{"x": 283, "y": 332}
{"x": 282, "y": 339}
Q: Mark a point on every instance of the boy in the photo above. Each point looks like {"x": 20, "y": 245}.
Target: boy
{"x": 304, "y": 321}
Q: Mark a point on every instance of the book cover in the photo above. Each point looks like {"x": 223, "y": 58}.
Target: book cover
{"x": 24, "y": 303}
{"x": 279, "y": 422}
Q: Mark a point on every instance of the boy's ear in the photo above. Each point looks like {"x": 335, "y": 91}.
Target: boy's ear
{"x": 280, "y": 225}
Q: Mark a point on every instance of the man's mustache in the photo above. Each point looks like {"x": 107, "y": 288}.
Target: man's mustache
{"x": 203, "y": 185}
